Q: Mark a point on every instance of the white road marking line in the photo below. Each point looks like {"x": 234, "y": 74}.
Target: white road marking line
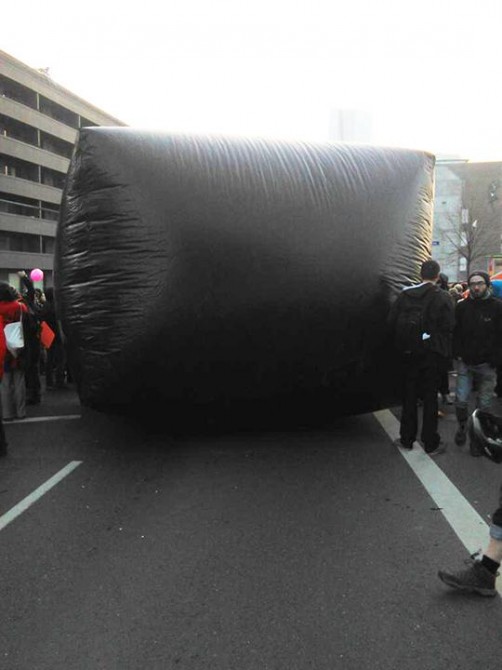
{"x": 469, "y": 526}
{"x": 21, "y": 507}
{"x": 35, "y": 419}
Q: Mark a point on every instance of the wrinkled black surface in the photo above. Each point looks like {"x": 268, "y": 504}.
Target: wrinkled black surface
{"x": 236, "y": 282}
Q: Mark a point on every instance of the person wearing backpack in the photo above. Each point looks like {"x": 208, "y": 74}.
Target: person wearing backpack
{"x": 421, "y": 321}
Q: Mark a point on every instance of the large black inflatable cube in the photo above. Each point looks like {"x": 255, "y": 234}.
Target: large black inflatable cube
{"x": 236, "y": 282}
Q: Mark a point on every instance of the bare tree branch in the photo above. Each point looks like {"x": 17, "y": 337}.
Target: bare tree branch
{"x": 471, "y": 239}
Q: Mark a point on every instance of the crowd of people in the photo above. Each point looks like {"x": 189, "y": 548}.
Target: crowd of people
{"x": 43, "y": 352}
{"x": 433, "y": 325}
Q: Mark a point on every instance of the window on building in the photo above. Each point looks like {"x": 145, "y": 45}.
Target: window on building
{"x": 20, "y": 242}
{"x": 56, "y": 145}
{"x": 58, "y": 112}
{"x": 17, "y": 204}
{"x": 15, "y": 167}
{"x": 48, "y": 244}
{"x": 50, "y": 211}
{"x": 17, "y": 130}
{"x": 20, "y": 206}
{"x": 52, "y": 178}
{"x": 11, "y": 89}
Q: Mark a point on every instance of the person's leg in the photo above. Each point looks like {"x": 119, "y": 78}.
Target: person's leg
{"x": 3, "y": 439}
{"x": 408, "y": 430}
{"x": 19, "y": 388}
{"x": 481, "y": 575}
{"x": 493, "y": 552}
{"x": 60, "y": 365}
{"x": 55, "y": 372}
{"x": 36, "y": 386}
{"x": 429, "y": 374}
{"x": 49, "y": 366}
{"x": 43, "y": 360}
{"x": 464, "y": 387}
{"x": 444, "y": 379}
{"x": 487, "y": 380}
{"x": 32, "y": 380}
{"x": 8, "y": 411}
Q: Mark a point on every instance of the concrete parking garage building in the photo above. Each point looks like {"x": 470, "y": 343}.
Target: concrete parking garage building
{"x": 39, "y": 124}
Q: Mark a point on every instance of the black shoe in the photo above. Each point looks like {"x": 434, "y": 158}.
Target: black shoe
{"x": 475, "y": 450}
{"x": 461, "y": 435}
{"x": 475, "y": 579}
{"x": 403, "y": 445}
{"x": 439, "y": 449}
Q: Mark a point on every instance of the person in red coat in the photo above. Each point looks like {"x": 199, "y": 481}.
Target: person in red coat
{"x": 3, "y": 351}
{"x": 13, "y": 387}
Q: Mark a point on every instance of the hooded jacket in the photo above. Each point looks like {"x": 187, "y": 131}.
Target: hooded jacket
{"x": 438, "y": 319}
{"x": 477, "y": 337}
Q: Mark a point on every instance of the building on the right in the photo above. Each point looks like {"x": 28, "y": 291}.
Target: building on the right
{"x": 467, "y": 216}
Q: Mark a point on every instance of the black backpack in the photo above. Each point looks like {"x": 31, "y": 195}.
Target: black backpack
{"x": 411, "y": 323}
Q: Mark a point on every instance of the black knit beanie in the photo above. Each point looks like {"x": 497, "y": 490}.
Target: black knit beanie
{"x": 485, "y": 276}
{"x": 7, "y": 292}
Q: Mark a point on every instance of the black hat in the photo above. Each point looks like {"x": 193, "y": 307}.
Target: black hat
{"x": 485, "y": 276}
{"x": 7, "y": 292}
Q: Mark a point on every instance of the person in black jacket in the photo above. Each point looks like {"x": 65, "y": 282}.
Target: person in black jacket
{"x": 56, "y": 357}
{"x": 477, "y": 346}
{"x": 31, "y": 331}
{"x": 423, "y": 361}
{"x": 446, "y": 363}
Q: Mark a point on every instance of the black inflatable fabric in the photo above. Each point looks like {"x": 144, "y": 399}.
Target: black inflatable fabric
{"x": 236, "y": 282}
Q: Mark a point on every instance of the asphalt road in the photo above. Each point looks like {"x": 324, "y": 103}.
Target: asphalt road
{"x": 277, "y": 551}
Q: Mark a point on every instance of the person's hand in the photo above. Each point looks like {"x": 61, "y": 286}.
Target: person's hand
{"x": 21, "y": 273}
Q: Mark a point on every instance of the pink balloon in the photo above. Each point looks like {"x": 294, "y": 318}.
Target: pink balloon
{"x": 36, "y": 275}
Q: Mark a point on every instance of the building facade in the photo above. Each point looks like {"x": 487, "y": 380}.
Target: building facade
{"x": 39, "y": 124}
{"x": 467, "y": 217}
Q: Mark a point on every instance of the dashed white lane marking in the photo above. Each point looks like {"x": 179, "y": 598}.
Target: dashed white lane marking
{"x": 468, "y": 525}
{"x": 35, "y": 419}
{"x": 22, "y": 506}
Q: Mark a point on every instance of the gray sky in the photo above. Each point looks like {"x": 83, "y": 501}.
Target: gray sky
{"x": 428, "y": 71}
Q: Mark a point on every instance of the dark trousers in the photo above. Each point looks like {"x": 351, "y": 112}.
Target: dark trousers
{"x": 445, "y": 366}
{"x": 32, "y": 375}
{"x": 420, "y": 380}
{"x": 55, "y": 365}
{"x": 496, "y": 533}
